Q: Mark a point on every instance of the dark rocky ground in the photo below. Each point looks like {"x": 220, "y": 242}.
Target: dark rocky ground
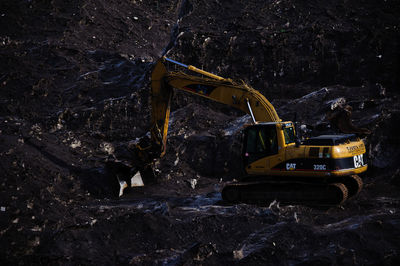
{"x": 74, "y": 90}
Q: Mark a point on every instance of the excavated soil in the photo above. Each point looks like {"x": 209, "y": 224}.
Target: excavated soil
{"x": 74, "y": 92}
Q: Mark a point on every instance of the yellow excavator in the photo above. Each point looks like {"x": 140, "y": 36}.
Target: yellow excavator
{"x": 320, "y": 170}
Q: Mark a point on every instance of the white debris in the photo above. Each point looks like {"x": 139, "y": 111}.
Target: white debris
{"x": 206, "y": 41}
{"x": 36, "y": 228}
{"x": 176, "y": 161}
{"x": 274, "y": 207}
{"x": 37, "y": 129}
{"x": 193, "y": 183}
{"x": 382, "y": 90}
{"x": 29, "y": 205}
{"x": 2, "y": 208}
{"x": 107, "y": 147}
{"x": 35, "y": 242}
{"x": 75, "y": 144}
{"x": 296, "y": 217}
{"x": 303, "y": 128}
{"x": 337, "y": 102}
{"x": 59, "y": 125}
{"x": 238, "y": 254}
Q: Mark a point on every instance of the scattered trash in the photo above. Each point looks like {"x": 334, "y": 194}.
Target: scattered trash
{"x": 193, "y": 183}
{"x": 75, "y": 144}
{"x": 107, "y": 147}
{"x": 238, "y": 254}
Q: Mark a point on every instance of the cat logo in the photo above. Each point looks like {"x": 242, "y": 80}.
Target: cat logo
{"x": 290, "y": 166}
{"x": 358, "y": 161}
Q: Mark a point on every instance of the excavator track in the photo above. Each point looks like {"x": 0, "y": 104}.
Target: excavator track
{"x": 264, "y": 192}
{"x": 354, "y": 185}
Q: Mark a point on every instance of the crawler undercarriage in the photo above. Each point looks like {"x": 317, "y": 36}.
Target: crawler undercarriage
{"x": 263, "y": 190}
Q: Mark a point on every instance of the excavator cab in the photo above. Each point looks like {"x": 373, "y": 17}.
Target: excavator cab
{"x": 264, "y": 144}
{"x": 260, "y": 140}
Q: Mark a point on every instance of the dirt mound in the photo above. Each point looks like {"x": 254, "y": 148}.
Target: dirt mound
{"x": 279, "y": 43}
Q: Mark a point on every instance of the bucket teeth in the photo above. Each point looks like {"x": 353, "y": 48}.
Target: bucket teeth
{"x": 137, "y": 181}
{"x": 122, "y": 186}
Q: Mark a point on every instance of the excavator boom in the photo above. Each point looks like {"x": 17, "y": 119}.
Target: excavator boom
{"x": 238, "y": 95}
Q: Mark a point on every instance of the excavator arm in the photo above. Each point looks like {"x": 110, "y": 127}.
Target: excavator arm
{"x": 213, "y": 87}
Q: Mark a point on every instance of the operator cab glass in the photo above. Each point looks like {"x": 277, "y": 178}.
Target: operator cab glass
{"x": 288, "y": 132}
{"x": 260, "y": 141}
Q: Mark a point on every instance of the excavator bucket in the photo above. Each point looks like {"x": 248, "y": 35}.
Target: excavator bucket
{"x": 122, "y": 186}
{"x": 123, "y": 174}
{"x": 136, "y": 181}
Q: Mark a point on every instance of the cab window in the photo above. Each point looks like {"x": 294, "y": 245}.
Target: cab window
{"x": 288, "y": 132}
{"x": 262, "y": 140}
